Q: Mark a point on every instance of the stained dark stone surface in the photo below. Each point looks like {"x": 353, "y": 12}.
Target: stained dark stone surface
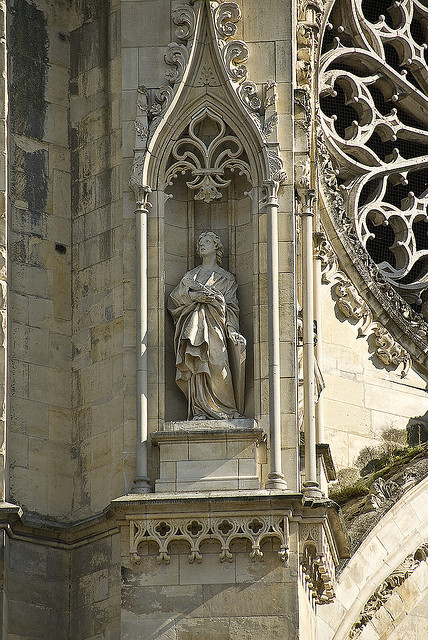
{"x": 29, "y": 44}
{"x": 29, "y": 179}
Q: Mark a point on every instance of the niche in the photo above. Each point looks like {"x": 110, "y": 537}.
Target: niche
{"x": 208, "y": 187}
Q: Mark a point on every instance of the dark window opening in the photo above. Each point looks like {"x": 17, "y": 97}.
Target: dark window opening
{"x": 372, "y": 11}
{"x": 345, "y": 115}
{"x": 379, "y": 246}
{"x": 420, "y": 230}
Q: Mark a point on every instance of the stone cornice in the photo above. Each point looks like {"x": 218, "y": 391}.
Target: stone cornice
{"x": 36, "y": 529}
{"x": 44, "y": 530}
{"x": 220, "y": 516}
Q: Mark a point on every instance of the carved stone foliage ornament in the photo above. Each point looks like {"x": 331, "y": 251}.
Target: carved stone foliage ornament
{"x": 309, "y": 13}
{"x": 234, "y": 53}
{"x": 195, "y": 531}
{"x": 386, "y": 589}
{"x": 355, "y": 308}
{"x": 373, "y": 149}
{"x": 381, "y": 492}
{"x": 205, "y": 55}
{"x": 384, "y": 493}
{"x": 317, "y": 561}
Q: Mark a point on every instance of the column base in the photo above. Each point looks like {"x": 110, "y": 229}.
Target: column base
{"x": 141, "y": 485}
{"x": 311, "y": 489}
{"x": 276, "y": 481}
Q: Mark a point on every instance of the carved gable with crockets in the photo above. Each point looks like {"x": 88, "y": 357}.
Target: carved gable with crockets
{"x": 206, "y": 70}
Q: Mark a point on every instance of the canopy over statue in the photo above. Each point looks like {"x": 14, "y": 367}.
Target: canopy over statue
{"x": 210, "y": 351}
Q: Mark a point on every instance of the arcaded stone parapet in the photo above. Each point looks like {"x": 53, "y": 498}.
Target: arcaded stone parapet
{"x": 200, "y": 538}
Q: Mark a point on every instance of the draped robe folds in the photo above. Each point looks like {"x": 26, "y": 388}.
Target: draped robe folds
{"x": 204, "y": 354}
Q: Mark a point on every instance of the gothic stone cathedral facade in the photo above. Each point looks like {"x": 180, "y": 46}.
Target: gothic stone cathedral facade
{"x": 214, "y": 319}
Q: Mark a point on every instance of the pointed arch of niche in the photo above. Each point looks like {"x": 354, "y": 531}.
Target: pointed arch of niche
{"x": 214, "y": 116}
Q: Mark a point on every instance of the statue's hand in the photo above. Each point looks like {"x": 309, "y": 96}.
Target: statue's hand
{"x": 202, "y": 296}
{"x": 237, "y": 338}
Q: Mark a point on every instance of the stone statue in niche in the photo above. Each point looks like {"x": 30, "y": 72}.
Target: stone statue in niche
{"x": 209, "y": 349}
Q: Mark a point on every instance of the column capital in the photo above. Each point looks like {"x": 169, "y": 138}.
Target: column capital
{"x": 310, "y": 199}
{"x": 271, "y": 188}
{"x": 141, "y": 195}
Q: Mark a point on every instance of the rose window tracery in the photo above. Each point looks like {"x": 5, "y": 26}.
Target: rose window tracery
{"x": 374, "y": 116}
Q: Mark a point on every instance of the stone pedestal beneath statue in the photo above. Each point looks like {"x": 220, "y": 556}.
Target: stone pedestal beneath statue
{"x": 208, "y": 455}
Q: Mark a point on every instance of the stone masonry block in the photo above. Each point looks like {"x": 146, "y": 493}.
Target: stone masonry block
{"x": 151, "y": 12}
{"x": 161, "y": 601}
{"x": 233, "y": 600}
{"x": 209, "y": 571}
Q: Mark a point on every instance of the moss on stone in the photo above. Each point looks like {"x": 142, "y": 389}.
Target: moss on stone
{"x": 356, "y": 490}
{"x": 386, "y": 466}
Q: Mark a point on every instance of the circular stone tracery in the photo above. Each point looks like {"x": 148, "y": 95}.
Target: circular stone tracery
{"x": 374, "y": 115}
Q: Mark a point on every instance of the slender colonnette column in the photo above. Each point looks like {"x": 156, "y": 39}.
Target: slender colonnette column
{"x": 319, "y": 407}
{"x": 311, "y": 485}
{"x": 3, "y": 251}
{"x": 316, "y": 227}
{"x": 142, "y": 482}
{"x": 276, "y": 478}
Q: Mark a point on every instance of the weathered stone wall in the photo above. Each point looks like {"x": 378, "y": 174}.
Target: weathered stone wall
{"x": 3, "y": 588}
{"x": 37, "y": 592}
{"x": 307, "y": 613}
{"x": 95, "y": 590}
{"x": 3, "y": 243}
{"x": 57, "y": 593}
{"x": 65, "y": 252}
{"x": 95, "y": 137}
{"x": 237, "y": 600}
{"x": 366, "y": 403}
{"x": 39, "y": 258}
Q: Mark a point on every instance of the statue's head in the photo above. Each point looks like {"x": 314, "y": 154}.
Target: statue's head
{"x": 217, "y": 244}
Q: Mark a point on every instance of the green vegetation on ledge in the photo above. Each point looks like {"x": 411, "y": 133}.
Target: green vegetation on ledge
{"x": 384, "y": 467}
